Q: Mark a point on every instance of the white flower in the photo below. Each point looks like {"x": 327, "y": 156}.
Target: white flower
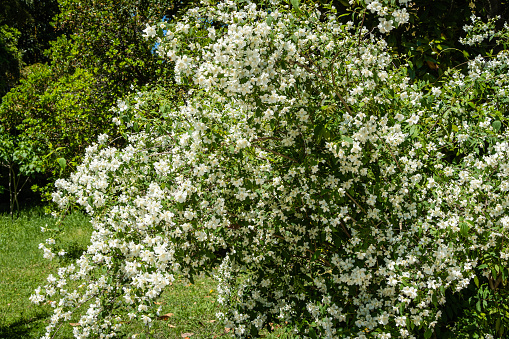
{"x": 385, "y": 26}
{"x": 414, "y": 119}
{"x": 122, "y": 106}
{"x": 401, "y": 16}
{"x": 212, "y": 33}
{"x": 400, "y": 321}
{"x": 436, "y": 91}
{"x": 243, "y": 143}
{"x": 410, "y": 291}
{"x": 180, "y": 196}
{"x": 102, "y": 138}
{"x": 149, "y": 31}
{"x": 146, "y": 319}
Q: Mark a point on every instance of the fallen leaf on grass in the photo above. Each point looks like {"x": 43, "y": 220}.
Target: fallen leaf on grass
{"x": 211, "y": 321}
{"x": 74, "y": 324}
{"x": 172, "y": 326}
{"x": 226, "y": 330}
{"x": 186, "y": 335}
{"x": 158, "y": 303}
{"x": 165, "y": 316}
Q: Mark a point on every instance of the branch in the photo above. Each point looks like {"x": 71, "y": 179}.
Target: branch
{"x": 277, "y": 153}
{"x": 266, "y": 138}
{"x": 344, "y": 229}
{"x": 343, "y": 101}
{"x": 351, "y": 198}
{"x": 396, "y": 160}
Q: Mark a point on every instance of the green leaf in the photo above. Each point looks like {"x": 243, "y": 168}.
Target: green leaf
{"x": 401, "y": 308}
{"x": 347, "y": 139}
{"x": 428, "y": 333}
{"x": 62, "y": 162}
{"x": 269, "y": 20}
{"x": 496, "y": 125}
{"x": 476, "y": 281}
{"x": 296, "y": 4}
{"x": 312, "y": 333}
{"x": 464, "y": 229}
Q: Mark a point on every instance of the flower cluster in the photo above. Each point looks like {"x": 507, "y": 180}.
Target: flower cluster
{"x": 348, "y": 198}
{"x": 479, "y": 31}
{"x": 391, "y": 14}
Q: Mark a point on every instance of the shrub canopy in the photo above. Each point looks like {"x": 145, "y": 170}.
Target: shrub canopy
{"x": 351, "y": 200}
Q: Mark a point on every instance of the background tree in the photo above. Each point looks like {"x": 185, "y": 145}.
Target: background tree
{"x": 25, "y": 34}
{"x": 430, "y": 41}
{"x": 10, "y": 58}
{"x": 98, "y": 57}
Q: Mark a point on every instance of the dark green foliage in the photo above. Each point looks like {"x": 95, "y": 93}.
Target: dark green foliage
{"x": 60, "y": 108}
{"x": 46, "y": 119}
{"x": 479, "y": 308}
{"x": 430, "y": 41}
{"x": 32, "y": 20}
{"x": 107, "y": 40}
{"x": 10, "y": 58}
{"x": 38, "y": 31}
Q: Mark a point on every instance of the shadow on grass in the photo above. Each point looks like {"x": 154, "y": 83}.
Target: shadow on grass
{"x": 74, "y": 251}
{"x": 23, "y": 328}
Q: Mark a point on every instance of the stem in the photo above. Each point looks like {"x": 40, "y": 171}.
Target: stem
{"x": 396, "y": 160}
{"x": 58, "y": 329}
{"x": 345, "y": 230}
{"x": 343, "y": 101}
{"x": 351, "y": 198}
{"x": 266, "y": 138}
{"x": 282, "y": 155}
{"x": 360, "y": 30}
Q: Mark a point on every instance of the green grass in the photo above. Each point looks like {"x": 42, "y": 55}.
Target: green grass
{"x": 22, "y": 268}
{"x": 188, "y": 308}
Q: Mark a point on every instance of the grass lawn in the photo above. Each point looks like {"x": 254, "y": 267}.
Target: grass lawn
{"x": 22, "y": 269}
{"x": 188, "y": 310}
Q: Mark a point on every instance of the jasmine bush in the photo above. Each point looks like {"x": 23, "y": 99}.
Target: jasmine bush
{"x": 351, "y": 200}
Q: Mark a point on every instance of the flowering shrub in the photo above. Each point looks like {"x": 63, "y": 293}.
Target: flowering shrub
{"x": 348, "y": 198}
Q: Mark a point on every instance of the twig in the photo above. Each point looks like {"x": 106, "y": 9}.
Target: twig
{"x": 277, "y": 153}
{"x": 343, "y": 101}
{"x": 397, "y": 163}
{"x": 344, "y": 229}
{"x": 351, "y": 198}
{"x": 266, "y": 138}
